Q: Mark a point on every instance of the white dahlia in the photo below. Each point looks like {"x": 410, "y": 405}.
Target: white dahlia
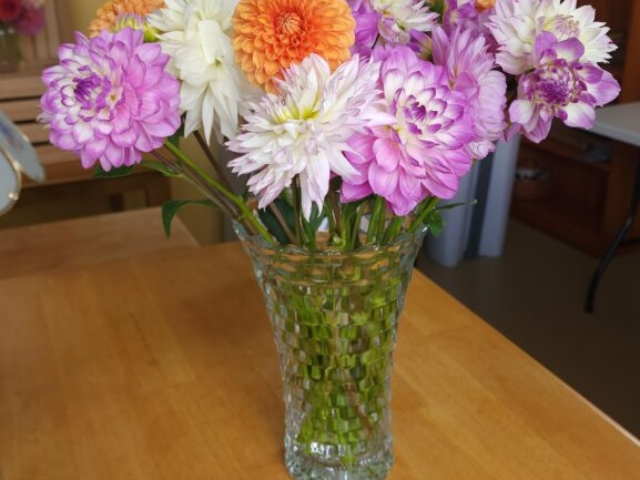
{"x": 399, "y": 17}
{"x": 303, "y": 129}
{"x": 517, "y": 23}
{"x": 196, "y": 35}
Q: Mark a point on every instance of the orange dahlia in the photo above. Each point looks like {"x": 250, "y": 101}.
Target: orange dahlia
{"x": 107, "y": 15}
{"x": 270, "y": 35}
{"x": 485, "y": 4}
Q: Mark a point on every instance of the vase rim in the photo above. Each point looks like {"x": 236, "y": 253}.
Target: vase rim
{"x": 288, "y": 249}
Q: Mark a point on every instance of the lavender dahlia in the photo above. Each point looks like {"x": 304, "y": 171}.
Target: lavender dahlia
{"x": 110, "y": 99}
{"x": 559, "y": 86}
{"x": 516, "y": 25}
{"x": 391, "y": 20}
{"x": 417, "y": 148}
{"x": 464, "y": 53}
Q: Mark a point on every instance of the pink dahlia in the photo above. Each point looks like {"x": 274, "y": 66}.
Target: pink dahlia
{"x": 392, "y": 20}
{"x": 464, "y": 54}
{"x": 559, "y": 86}
{"x": 110, "y": 98}
{"x": 10, "y": 10}
{"x": 416, "y": 147}
{"x": 468, "y": 14}
{"x": 30, "y": 21}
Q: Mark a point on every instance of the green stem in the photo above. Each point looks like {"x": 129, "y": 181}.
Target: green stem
{"x": 187, "y": 174}
{"x": 373, "y": 220}
{"x": 212, "y": 160}
{"x": 335, "y": 207}
{"x": 174, "y": 167}
{"x": 332, "y": 221}
{"x": 283, "y": 223}
{"x": 382, "y": 219}
{"x": 295, "y": 197}
{"x": 244, "y": 211}
{"x": 347, "y": 215}
{"x": 310, "y": 234}
{"x": 429, "y": 205}
{"x": 392, "y": 230}
{"x": 353, "y": 241}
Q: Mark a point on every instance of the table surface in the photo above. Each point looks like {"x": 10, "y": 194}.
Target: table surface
{"x": 619, "y": 122}
{"x": 163, "y": 367}
{"x": 86, "y": 241}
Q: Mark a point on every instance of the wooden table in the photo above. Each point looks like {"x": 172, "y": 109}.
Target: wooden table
{"x": 163, "y": 367}
{"x": 86, "y": 241}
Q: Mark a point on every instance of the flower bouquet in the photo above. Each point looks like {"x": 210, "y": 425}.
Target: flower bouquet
{"x": 17, "y": 17}
{"x": 352, "y": 120}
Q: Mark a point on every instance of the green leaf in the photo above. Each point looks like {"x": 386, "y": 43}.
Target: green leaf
{"x": 316, "y": 218}
{"x": 171, "y": 207}
{"x": 434, "y": 222}
{"x": 449, "y": 206}
{"x": 159, "y": 167}
{"x": 270, "y": 220}
{"x": 113, "y": 173}
{"x": 437, "y": 6}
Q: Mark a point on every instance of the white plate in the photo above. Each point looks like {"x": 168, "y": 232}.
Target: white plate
{"x": 16, "y": 145}
{"x": 9, "y": 184}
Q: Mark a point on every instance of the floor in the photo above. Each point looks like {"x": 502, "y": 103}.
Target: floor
{"x": 534, "y": 294}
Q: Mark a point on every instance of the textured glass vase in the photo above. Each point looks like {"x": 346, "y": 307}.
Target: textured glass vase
{"x": 9, "y": 49}
{"x": 334, "y": 318}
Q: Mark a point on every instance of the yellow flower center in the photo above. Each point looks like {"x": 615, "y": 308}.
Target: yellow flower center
{"x": 289, "y": 22}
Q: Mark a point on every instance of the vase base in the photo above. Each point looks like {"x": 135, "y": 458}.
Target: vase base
{"x": 301, "y": 467}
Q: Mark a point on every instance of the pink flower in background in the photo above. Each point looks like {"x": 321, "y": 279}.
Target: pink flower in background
{"x": 517, "y": 24}
{"x": 110, "y": 99}
{"x": 392, "y": 20}
{"x": 30, "y": 21}
{"x": 466, "y": 15}
{"x": 10, "y": 10}
{"x": 33, "y": 3}
{"x": 471, "y": 69}
{"x": 417, "y": 146}
{"x": 559, "y": 86}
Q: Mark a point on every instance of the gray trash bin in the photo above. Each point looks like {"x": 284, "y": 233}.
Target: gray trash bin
{"x": 478, "y": 230}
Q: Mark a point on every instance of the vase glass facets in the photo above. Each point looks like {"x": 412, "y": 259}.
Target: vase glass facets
{"x": 334, "y": 318}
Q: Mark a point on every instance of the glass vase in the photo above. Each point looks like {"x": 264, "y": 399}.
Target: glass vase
{"x": 9, "y": 49}
{"x": 334, "y": 318}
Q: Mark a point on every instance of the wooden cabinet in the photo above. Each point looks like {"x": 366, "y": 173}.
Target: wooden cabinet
{"x": 20, "y": 99}
{"x": 589, "y": 198}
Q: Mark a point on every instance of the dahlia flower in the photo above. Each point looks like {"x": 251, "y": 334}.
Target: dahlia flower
{"x": 10, "y": 10}
{"x": 421, "y": 151}
{"x": 33, "y": 3}
{"x": 303, "y": 129}
{"x": 469, "y": 14}
{"x": 516, "y": 25}
{"x": 560, "y": 86}
{"x": 108, "y": 14}
{"x": 30, "y": 21}
{"x": 137, "y": 22}
{"x": 393, "y": 20}
{"x": 196, "y": 35}
{"x": 271, "y": 35}
{"x": 464, "y": 55}
{"x": 110, "y": 99}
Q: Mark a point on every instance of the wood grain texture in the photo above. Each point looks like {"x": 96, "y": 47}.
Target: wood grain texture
{"x": 163, "y": 367}
{"x": 86, "y": 241}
